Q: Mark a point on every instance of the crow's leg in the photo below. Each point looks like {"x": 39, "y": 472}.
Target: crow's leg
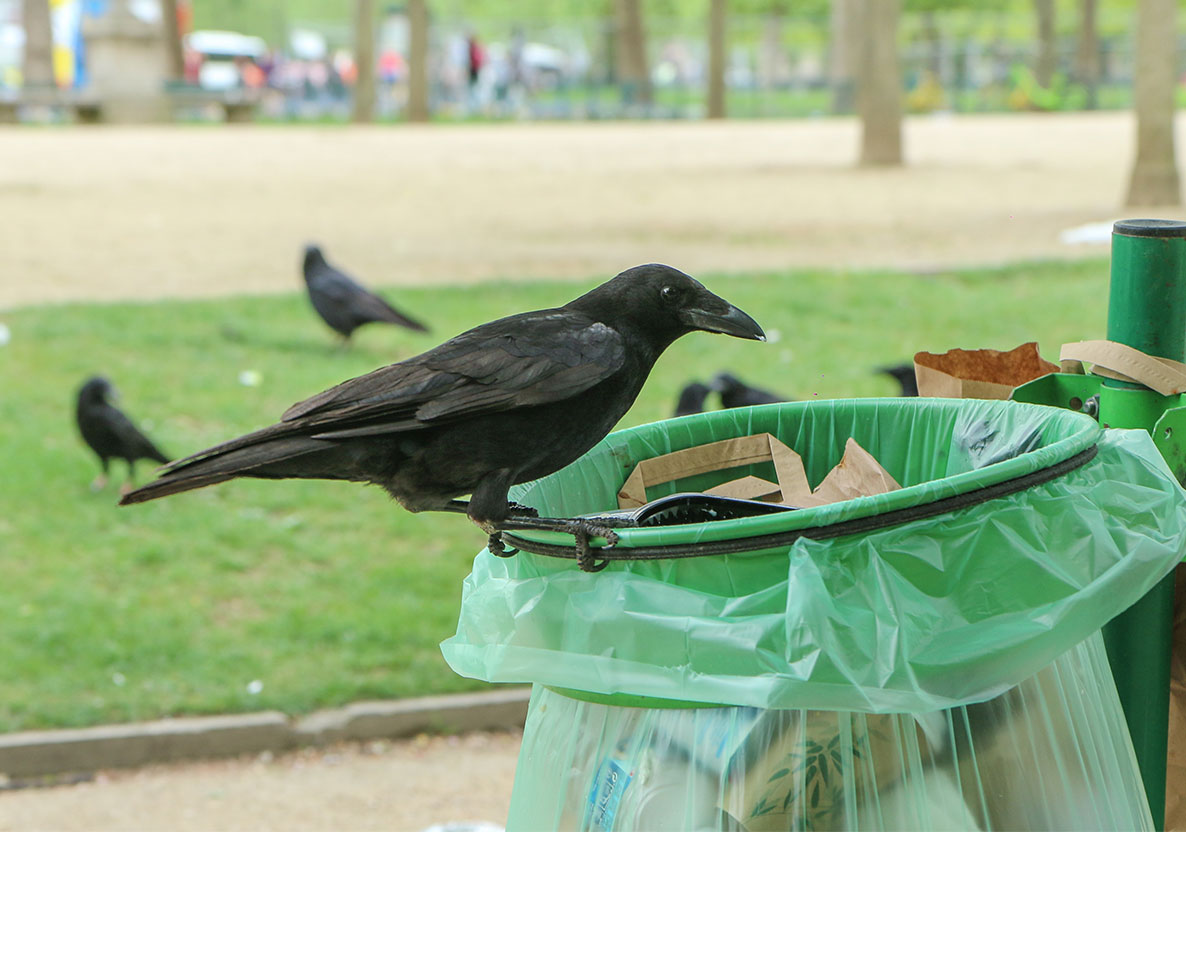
{"x": 490, "y": 509}
{"x": 129, "y": 482}
{"x": 100, "y": 481}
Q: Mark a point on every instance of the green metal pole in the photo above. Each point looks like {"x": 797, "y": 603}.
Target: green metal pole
{"x": 1147, "y": 311}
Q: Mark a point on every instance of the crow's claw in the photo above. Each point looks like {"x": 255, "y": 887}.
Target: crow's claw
{"x": 495, "y": 545}
{"x": 525, "y": 510}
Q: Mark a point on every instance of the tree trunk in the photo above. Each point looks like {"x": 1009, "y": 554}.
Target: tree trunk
{"x": 633, "y": 73}
{"x": 879, "y": 83}
{"x": 364, "y": 62}
{"x": 37, "y": 66}
{"x": 774, "y": 66}
{"x": 844, "y": 53}
{"x": 930, "y": 30}
{"x": 1046, "y": 60}
{"x": 417, "y": 60}
{"x": 171, "y": 31}
{"x": 1155, "y": 173}
{"x": 716, "y": 59}
{"x": 1087, "y": 52}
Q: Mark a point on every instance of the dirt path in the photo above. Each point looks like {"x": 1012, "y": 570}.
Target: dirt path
{"x": 108, "y": 213}
{"x": 404, "y": 786}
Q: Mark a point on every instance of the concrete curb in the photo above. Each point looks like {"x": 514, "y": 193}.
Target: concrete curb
{"x": 26, "y": 754}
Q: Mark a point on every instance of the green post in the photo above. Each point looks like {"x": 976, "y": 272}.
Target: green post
{"x": 1146, "y": 311}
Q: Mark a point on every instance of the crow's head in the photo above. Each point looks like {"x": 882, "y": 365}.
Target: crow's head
{"x": 671, "y": 303}
{"x": 723, "y": 383}
{"x": 97, "y": 390}
{"x": 313, "y": 256}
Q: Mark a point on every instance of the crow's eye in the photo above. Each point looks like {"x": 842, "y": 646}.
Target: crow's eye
{"x": 668, "y": 293}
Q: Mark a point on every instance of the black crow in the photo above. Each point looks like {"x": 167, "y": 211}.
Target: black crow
{"x": 108, "y": 431}
{"x": 507, "y": 402}
{"x": 904, "y": 375}
{"x": 692, "y": 399}
{"x": 343, "y": 303}
{"x": 736, "y": 394}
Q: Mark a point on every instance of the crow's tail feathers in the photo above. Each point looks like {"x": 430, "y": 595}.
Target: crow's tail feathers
{"x": 249, "y": 457}
{"x": 401, "y": 319}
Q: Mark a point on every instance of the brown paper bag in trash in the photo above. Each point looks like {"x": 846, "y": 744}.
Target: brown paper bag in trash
{"x": 990, "y": 374}
{"x": 1175, "y": 768}
{"x": 857, "y": 473}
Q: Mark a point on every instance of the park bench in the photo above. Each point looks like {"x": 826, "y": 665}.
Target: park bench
{"x": 236, "y": 105}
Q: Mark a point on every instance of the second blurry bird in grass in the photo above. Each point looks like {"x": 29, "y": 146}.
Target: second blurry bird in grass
{"x": 732, "y": 391}
{"x": 735, "y": 393}
{"x": 692, "y": 399}
{"x": 110, "y": 433}
{"x": 905, "y": 376}
{"x": 507, "y": 402}
{"x": 344, "y": 304}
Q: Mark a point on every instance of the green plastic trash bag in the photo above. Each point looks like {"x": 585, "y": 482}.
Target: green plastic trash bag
{"x": 1019, "y": 531}
{"x": 1051, "y": 754}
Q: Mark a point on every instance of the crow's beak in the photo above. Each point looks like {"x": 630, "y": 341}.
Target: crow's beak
{"x": 731, "y": 321}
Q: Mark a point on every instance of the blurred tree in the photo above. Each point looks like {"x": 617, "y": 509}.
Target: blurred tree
{"x": 716, "y": 59}
{"x": 1087, "y": 52}
{"x": 773, "y": 63}
{"x": 417, "y": 60}
{"x": 844, "y": 54}
{"x": 879, "y": 82}
{"x": 1047, "y": 55}
{"x": 171, "y": 29}
{"x": 1155, "y": 173}
{"x": 631, "y": 49}
{"x": 37, "y": 63}
{"x": 364, "y": 62}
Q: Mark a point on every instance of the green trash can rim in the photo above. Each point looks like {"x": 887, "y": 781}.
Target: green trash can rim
{"x": 1077, "y": 435}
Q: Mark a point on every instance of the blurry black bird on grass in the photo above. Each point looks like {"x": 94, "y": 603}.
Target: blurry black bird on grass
{"x": 507, "y": 402}
{"x": 737, "y": 394}
{"x": 905, "y": 376}
{"x": 109, "y": 432}
{"x": 344, "y": 304}
{"x": 692, "y": 399}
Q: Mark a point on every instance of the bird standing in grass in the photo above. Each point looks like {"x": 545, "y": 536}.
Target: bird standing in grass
{"x": 905, "y": 376}
{"x": 507, "y": 402}
{"x": 109, "y": 432}
{"x": 692, "y": 399}
{"x": 735, "y": 393}
{"x": 342, "y": 303}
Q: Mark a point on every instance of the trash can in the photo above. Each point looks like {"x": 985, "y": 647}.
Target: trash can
{"x": 927, "y": 658}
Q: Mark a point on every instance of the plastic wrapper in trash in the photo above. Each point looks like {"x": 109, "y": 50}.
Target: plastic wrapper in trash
{"x": 1051, "y": 754}
{"x": 898, "y": 615}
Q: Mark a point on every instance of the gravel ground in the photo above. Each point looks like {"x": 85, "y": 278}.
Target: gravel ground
{"x": 113, "y": 213}
{"x": 404, "y": 786}
{"x": 134, "y": 213}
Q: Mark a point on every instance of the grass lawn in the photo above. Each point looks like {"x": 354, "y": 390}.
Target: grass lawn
{"x": 326, "y": 592}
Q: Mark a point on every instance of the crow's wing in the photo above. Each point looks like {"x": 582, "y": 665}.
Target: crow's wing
{"x": 520, "y": 361}
{"x": 352, "y": 298}
{"x": 133, "y": 442}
